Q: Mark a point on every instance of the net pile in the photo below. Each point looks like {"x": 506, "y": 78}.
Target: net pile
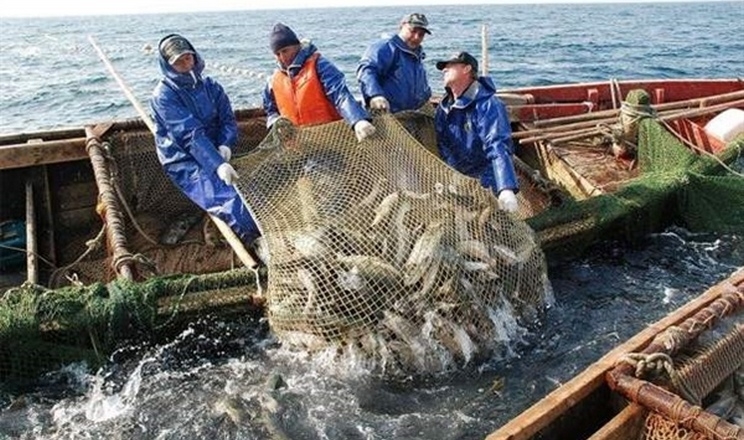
{"x": 675, "y": 184}
{"x": 43, "y": 329}
{"x": 380, "y": 247}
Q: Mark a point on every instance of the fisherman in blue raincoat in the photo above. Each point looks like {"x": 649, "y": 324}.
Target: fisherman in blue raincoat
{"x": 307, "y": 88}
{"x": 391, "y": 72}
{"x": 473, "y": 131}
{"x": 196, "y": 132}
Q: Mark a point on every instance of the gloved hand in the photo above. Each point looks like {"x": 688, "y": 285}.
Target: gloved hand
{"x": 225, "y": 152}
{"x": 379, "y": 103}
{"x": 227, "y": 173}
{"x": 364, "y": 129}
{"x": 282, "y": 122}
{"x": 508, "y": 201}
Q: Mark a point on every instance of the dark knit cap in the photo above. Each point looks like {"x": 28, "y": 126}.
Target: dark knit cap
{"x": 281, "y": 37}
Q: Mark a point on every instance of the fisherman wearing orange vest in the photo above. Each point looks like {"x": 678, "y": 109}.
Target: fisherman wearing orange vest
{"x": 307, "y": 89}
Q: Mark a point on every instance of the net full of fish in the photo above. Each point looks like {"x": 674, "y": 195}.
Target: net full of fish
{"x": 382, "y": 249}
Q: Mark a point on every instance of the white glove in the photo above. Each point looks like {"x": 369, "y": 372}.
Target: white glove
{"x": 227, "y": 173}
{"x": 225, "y": 152}
{"x": 364, "y": 129}
{"x": 508, "y": 201}
{"x": 379, "y": 103}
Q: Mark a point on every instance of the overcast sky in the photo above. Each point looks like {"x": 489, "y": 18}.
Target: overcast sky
{"x": 46, "y": 8}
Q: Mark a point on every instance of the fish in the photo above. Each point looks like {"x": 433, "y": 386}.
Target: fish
{"x": 376, "y": 190}
{"x": 428, "y": 281}
{"x": 179, "y": 227}
{"x": 484, "y": 216}
{"x": 414, "y": 195}
{"x": 370, "y": 267}
{"x": 474, "y": 249}
{"x": 309, "y": 243}
{"x": 463, "y": 217}
{"x": 424, "y": 252}
{"x": 407, "y": 343}
{"x": 402, "y": 233}
{"x": 385, "y": 208}
{"x": 311, "y": 290}
{"x": 308, "y": 207}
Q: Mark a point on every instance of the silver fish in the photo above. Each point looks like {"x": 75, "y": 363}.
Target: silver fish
{"x": 376, "y": 190}
{"x": 424, "y": 252}
{"x": 309, "y": 243}
{"x": 385, "y": 208}
{"x": 402, "y": 233}
{"x": 306, "y": 278}
{"x": 370, "y": 267}
{"x": 308, "y": 207}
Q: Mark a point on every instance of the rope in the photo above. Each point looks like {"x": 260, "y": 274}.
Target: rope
{"x": 658, "y": 364}
{"x": 13, "y": 248}
{"x": 91, "y": 245}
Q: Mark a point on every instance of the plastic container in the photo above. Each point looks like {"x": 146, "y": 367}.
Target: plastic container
{"x": 727, "y": 125}
{"x": 12, "y": 234}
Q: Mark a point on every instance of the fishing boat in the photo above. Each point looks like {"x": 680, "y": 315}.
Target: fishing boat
{"x": 91, "y": 205}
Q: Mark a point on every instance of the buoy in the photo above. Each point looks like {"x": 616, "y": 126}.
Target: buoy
{"x": 727, "y": 125}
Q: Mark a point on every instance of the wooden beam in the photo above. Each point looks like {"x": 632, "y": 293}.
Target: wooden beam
{"x": 42, "y": 152}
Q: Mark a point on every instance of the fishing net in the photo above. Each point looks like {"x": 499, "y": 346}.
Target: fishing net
{"x": 380, "y": 247}
{"x": 43, "y": 329}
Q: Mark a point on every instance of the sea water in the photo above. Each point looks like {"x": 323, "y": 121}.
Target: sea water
{"x": 217, "y": 379}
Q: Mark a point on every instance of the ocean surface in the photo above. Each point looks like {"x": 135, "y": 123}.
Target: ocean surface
{"x": 210, "y": 382}
{"x": 51, "y": 77}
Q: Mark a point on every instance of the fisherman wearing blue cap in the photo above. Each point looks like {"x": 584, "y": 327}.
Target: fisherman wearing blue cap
{"x": 391, "y": 72}
{"x": 473, "y": 131}
{"x": 196, "y": 132}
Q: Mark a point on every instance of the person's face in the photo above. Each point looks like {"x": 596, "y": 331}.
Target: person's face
{"x": 286, "y": 55}
{"x": 412, "y": 36}
{"x": 455, "y": 72}
{"x": 184, "y": 63}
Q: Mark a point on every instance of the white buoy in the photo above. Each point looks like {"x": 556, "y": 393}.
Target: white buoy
{"x": 727, "y": 125}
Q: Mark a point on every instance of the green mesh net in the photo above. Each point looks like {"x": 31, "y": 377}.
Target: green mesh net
{"x": 675, "y": 185}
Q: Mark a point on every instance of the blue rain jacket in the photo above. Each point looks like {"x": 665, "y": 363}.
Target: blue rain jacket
{"x": 193, "y": 117}
{"x": 391, "y": 69}
{"x": 334, "y": 84}
{"x": 474, "y": 136}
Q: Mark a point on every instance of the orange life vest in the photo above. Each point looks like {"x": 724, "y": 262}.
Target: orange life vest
{"x": 302, "y": 99}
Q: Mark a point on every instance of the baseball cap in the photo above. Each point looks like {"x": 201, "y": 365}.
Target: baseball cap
{"x": 460, "y": 58}
{"x": 173, "y": 46}
{"x": 418, "y": 21}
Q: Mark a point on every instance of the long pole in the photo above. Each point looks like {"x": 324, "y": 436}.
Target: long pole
{"x": 484, "y": 50}
{"x": 226, "y": 231}
{"x": 132, "y": 99}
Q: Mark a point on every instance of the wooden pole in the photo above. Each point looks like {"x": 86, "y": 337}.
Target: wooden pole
{"x": 132, "y": 99}
{"x": 689, "y": 103}
{"x": 484, "y": 50}
{"x": 227, "y": 232}
{"x": 32, "y": 269}
{"x": 558, "y": 135}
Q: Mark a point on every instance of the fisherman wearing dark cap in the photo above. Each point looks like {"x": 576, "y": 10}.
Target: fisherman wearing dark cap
{"x": 391, "y": 73}
{"x": 195, "y": 134}
{"x": 307, "y": 89}
{"x": 473, "y": 131}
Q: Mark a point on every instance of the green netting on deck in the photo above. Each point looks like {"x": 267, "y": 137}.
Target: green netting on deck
{"x": 42, "y": 329}
{"x": 676, "y": 186}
